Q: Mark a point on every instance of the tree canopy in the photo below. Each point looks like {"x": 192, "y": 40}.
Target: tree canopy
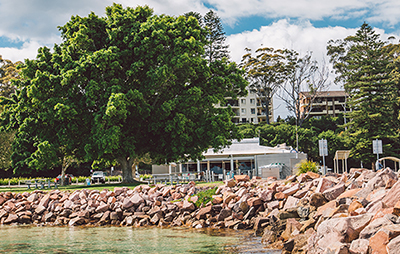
{"x": 125, "y": 86}
{"x": 364, "y": 68}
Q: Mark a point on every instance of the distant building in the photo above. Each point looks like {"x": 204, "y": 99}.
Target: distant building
{"x": 249, "y": 109}
{"x": 246, "y": 156}
{"x": 330, "y": 103}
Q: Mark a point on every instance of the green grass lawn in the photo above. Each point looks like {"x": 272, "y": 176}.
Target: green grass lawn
{"x": 71, "y": 188}
{"x": 100, "y": 187}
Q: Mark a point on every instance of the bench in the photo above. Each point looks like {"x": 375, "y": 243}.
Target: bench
{"x": 43, "y": 183}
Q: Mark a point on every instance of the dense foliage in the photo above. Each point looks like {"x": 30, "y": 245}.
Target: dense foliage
{"x": 307, "y": 166}
{"x": 364, "y": 65}
{"x": 121, "y": 87}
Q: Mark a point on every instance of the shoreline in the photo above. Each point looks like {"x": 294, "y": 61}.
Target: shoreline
{"x": 308, "y": 213}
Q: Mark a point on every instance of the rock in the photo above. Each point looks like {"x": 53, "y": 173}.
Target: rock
{"x": 31, "y": 198}
{"x": 188, "y": 206}
{"x": 273, "y": 205}
{"x": 340, "y": 230}
{"x": 392, "y": 231}
{"x": 155, "y": 219}
{"x": 258, "y": 229}
{"x": 291, "y": 202}
{"x": 127, "y": 203}
{"x": 118, "y": 190}
{"x": 292, "y": 190}
{"x": 375, "y": 226}
{"x": 254, "y": 201}
{"x": 136, "y": 199}
{"x": 354, "y": 206}
{"x": 228, "y": 196}
{"x": 280, "y": 196}
{"x": 76, "y": 221}
{"x": 203, "y": 212}
{"x": 312, "y": 175}
{"x": 291, "y": 225}
{"x": 349, "y": 193}
{"x": 359, "y": 246}
{"x": 324, "y": 184}
{"x": 40, "y": 209}
{"x": 11, "y": 218}
{"x": 225, "y": 213}
{"x": 102, "y": 208}
{"x": 393, "y": 246}
{"x": 230, "y": 183}
{"x": 326, "y": 209}
{"x": 45, "y": 200}
{"x": 266, "y": 195}
{"x": 269, "y": 236}
{"x": 392, "y": 196}
{"x": 334, "y": 192}
{"x": 114, "y": 216}
{"x": 317, "y": 200}
{"x": 377, "y": 243}
{"x": 241, "y": 178}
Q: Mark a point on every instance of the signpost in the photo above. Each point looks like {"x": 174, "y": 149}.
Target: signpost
{"x": 377, "y": 148}
{"x": 323, "y": 150}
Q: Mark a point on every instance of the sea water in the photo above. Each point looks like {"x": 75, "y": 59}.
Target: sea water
{"x": 35, "y": 239}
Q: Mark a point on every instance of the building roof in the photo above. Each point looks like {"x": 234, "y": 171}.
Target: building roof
{"x": 327, "y": 94}
{"x": 249, "y": 146}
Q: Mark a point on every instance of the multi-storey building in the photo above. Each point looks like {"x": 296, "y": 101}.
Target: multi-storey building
{"x": 325, "y": 103}
{"x": 249, "y": 109}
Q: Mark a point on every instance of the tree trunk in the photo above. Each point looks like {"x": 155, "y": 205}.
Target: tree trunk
{"x": 126, "y": 165}
{"x": 64, "y": 166}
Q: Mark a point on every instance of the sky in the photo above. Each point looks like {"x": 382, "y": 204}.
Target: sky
{"x": 302, "y": 25}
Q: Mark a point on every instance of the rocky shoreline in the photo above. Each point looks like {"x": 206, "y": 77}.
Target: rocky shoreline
{"x": 354, "y": 213}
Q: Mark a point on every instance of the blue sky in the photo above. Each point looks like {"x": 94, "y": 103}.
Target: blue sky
{"x": 302, "y": 25}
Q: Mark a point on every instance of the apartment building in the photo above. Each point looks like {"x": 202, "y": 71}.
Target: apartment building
{"x": 325, "y": 103}
{"x": 249, "y": 109}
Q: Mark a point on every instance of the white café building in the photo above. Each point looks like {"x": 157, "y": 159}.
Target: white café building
{"x": 246, "y": 156}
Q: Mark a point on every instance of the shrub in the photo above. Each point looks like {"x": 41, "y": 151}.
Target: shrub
{"x": 205, "y": 196}
{"x": 304, "y": 166}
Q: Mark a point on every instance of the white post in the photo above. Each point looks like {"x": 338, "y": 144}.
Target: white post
{"x": 170, "y": 173}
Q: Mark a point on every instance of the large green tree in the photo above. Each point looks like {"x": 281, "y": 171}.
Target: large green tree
{"x": 130, "y": 85}
{"x": 8, "y": 72}
{"x": 363, "y": 67}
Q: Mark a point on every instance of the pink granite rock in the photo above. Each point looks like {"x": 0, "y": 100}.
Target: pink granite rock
{"x": 334, "y": 192}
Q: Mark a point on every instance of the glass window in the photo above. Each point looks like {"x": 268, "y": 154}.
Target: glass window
{"x": 243, "y": 101}
{"x": 252, "y": 101}
{"x": 243, "y": 111}
{"x": 253, "y": 111}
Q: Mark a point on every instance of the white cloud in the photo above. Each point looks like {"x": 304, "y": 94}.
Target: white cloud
{"x": 27, "y": 51}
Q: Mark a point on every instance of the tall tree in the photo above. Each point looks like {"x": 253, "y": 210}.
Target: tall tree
{"x": 362, "y": 66}
{"x": 265, "y": 72}
{"x": 129, "y": 85}
{"x": 48, "y": 114}
{"x": 215, "y": 49}
{"x": 302, "y": 75}
{"x": 8, "y": 72}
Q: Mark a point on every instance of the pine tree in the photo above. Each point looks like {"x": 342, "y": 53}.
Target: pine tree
{"x": 216, "y": 49}
{"x": 362, "y": 65}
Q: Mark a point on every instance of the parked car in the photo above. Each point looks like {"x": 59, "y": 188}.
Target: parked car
{"x": 68, "y": 179}
{"x": 98, "y": 177}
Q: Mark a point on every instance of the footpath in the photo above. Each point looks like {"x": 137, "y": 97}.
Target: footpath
{"x": 338, "y": 213}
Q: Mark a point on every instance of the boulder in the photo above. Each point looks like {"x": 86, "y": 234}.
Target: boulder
{"x": 225, "y": 213}
{"x": 324, "y": 184}
{"x": 201, "y": 214}
{"x": 392, "y": 196}
{"x": 291, "y": 202}
{"x": 341, "y": 230}
{"x": 393, "y": 246}
{"x": 334, "y": 192}
{"x": 292, "y": 190}
{"x": 12, "y": 217}
{"x": 359, "y": 246}
{"x": 76, "y": 221}
{"x": 377, "y": 243}
{"x": 317, "y": 200}
{"x": 230, "y": 183}
{"x": 373, "y": 227}
{"x": 241, "y": 178}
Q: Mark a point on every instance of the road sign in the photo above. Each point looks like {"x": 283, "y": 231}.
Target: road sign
{"x": 377, "y": 146}
{"x": 323, "y": 147}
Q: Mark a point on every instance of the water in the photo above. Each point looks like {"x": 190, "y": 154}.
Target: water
{"x": 32, "y": 239}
